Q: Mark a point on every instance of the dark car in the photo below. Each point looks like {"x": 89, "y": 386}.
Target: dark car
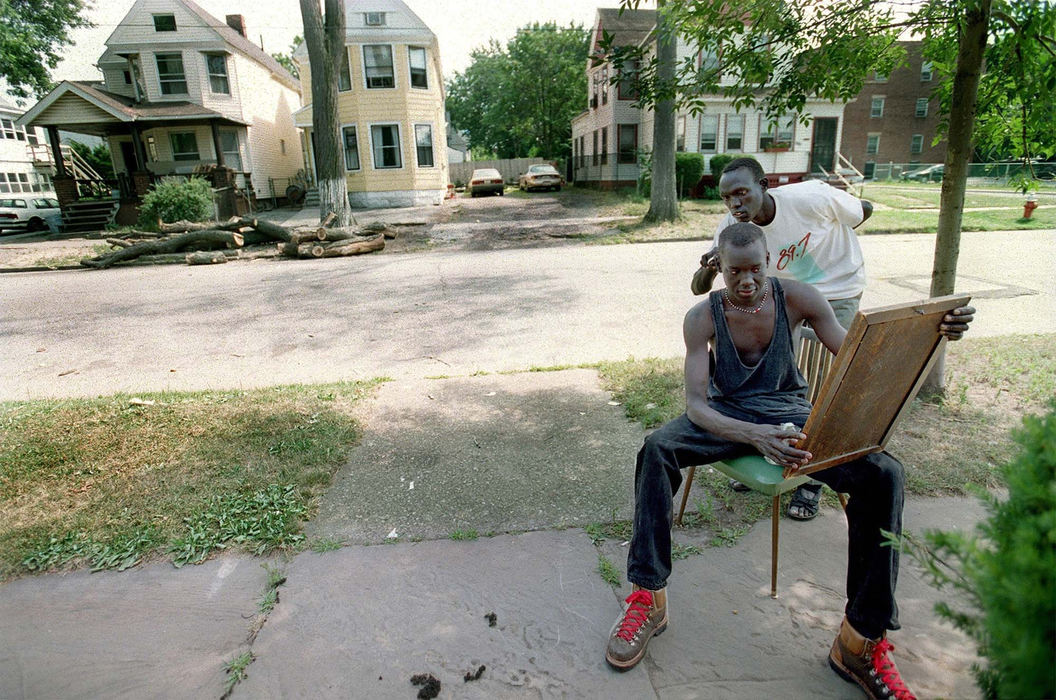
{"x": 485, "y": 181}
{"x": 541, "y": 177}
{"x": 932, "y": 173}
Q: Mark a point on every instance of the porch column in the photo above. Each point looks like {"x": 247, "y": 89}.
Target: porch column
{"x": 137, "y": 148}
{"x": 56, "y": 152}
{"x": 216, "y": 143}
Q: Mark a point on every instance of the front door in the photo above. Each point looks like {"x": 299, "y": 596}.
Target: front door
{"x": 823, "y": 149}
{"x": 128, "y": 155}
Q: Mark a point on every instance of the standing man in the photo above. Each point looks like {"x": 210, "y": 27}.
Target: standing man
{"x": 809, "y": 228}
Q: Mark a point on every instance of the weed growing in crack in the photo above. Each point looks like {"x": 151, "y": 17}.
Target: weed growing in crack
{"x": 464, "y": 535}
{"x": 609, "y": 573}
{"x": 236, "y": 670}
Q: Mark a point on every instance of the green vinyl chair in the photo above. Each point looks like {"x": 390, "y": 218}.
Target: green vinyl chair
{"x": 756, "y": 473}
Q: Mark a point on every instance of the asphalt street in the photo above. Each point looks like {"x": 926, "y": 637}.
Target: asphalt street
{"x": 91, "y": 332}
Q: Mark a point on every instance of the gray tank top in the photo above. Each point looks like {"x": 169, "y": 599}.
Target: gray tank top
{"x": 771, "y": 389}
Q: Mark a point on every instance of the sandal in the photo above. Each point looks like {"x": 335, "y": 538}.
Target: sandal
{"x": 804, "y": 503}
{"x": 739, "y": 487}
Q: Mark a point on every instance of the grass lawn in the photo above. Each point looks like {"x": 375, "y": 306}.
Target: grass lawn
{"x": 926, "y": 221}
{"x": 113, "y": 480}
{"x": 950, "y": 446}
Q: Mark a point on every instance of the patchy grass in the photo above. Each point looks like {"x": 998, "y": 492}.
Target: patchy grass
{"x": 949, "y": 447}
{"x": 926, "y": 221}
{"x": 55, "y": 262}
{"x": 236, "y": 671}
{"x": 108, "y": 482}
{"x": 464, "y": 535}
{"x": 921, "y": 197}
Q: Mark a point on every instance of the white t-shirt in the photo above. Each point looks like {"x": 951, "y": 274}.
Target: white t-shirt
{"x": 812, "y": 238}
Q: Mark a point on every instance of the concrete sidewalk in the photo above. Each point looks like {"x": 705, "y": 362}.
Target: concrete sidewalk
{"x": 543, "y": 452}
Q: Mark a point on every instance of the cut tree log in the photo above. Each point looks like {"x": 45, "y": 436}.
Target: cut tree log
{"x": 307, "y": 236}
{"x": 330, "y": 218}
{"x": 206, "y": 257}
{"x": 289, "y": 249}
{"x": 205, "y": 239}
{"x": 119, "y": 242}
{"x": 232, "y": 224}
{"x": 269, "y": 228}
{"x": 336, "y": 249}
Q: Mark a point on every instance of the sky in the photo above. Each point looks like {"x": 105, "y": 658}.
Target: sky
{"x": 460, "y": 25}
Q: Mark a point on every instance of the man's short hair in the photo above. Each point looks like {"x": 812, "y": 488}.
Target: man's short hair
{"x": 751, "y": 163}
{"x": 740, "y": 235}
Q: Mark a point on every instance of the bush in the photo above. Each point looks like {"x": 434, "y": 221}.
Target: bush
{"x": 718, "y": 162}
{"x": 177, "y": 200}
{"x": 1007, "y": 571}
{"x": 688, "y": 169}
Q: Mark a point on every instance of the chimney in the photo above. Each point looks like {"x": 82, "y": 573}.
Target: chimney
{"x": 237, "y": 23}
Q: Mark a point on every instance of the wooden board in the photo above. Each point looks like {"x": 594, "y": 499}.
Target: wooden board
{"x": 882, "y": 363}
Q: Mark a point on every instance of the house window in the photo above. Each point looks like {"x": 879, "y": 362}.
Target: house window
{"x": 922, "y": 107}
{"x": 872, "y": 144}
{"x": 879, "y": 77}
{"x": 916, "y": 144}
{"x": 282, "y": 146}
{"x": 216, "y": 66}
{"x": 708, "y": 59}
{"x": 128, "y": 77}
{"x": 416, "y": 58}
{"x": 777, "y": 135}
{"x": 31, "y": 135}
{"x": 627, "y": 143}
{"x": 386, "y": 142}
{"x": 423, "y": 141}
{"x": 680, "y": 134}
{"x": 184, "y": 145}
{"x": 876, "y": 110}
{"x": 232, "y": 155}
{"x": 152, "y": 149}
{"x": 925, "y": 72}
{"x": 170, "y": 74}
{"x": 164, "y": 23}
{"x": 374, "y": 19}
{"x": 377, "y": 60}
{"x": 604, "y": 87}
{"x": 709, "y": 132}
{"x": 604, "y": 145}
{"x": 344, "y": 74}
{"x": 626, "y": 90}
{"x": 9, "y": 129}
{"x": 594, "y": 151}
{"x": 348, "y": 137}
{"x": 582, "y": 148}
{"x": 734, "y": 132}
{"x": 870, "y": 169}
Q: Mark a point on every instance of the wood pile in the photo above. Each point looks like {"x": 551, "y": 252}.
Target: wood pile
{"x": 213, "y": 243}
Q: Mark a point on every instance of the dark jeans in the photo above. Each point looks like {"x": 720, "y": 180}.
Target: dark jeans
{"x": 875, "y": 484}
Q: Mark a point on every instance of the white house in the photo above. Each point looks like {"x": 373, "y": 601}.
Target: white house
{"x": 25, "y": 166}
{"x": 609, "y": 133}
{"x": 181, "y": 91}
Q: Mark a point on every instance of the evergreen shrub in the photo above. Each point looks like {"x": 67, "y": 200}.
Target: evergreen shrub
{"x": 688, "y": 169}
{"x": 177, "y": 200}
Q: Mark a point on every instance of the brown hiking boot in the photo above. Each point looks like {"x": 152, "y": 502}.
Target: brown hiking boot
{"x": 867, "y": 662}
{"x": 644, "y": 616}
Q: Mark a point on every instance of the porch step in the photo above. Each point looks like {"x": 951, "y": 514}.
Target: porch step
{"x": 311, "y": 197}
{"x": 89, "y": 215}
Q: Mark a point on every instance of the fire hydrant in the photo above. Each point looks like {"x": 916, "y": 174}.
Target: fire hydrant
{"x": 1029, "y": 206}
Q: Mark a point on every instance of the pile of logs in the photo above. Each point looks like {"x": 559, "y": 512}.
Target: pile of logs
{"x": 211, "y": 243}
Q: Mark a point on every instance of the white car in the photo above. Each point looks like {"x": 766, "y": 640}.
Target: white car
{"x": 29, "y": 214}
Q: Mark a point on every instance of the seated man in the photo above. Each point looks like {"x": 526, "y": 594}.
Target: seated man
{"x": 756, "y": 386}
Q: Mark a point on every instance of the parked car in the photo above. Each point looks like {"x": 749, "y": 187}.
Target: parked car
{"x": 29, "y": 214}
{"x": 485, "y": 181}
{"x": 932, "y": 173}
{"x": 540, "y": 177}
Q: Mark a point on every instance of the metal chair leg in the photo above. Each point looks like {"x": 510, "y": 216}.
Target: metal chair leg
{"x": 685, "y": 494}
{"x": 775, "y": 511}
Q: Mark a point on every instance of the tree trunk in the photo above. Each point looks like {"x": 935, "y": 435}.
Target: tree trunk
{"x": 964, "y": 99}
{"x": 325, "y": 42}
{"x": 663, "y": 199}
{"x": 207, "y": 239}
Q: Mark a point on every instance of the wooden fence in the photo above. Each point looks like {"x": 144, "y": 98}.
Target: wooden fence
{"x": 510, "y": 168}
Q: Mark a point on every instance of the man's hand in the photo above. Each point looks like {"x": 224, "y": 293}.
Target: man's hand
{"x": 773, "y": 441}
{"x": 955, "y": 324}
{"x": 710, "y": 259}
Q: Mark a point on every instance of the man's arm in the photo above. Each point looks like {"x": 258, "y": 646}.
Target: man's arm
{"x": 867, "y": 211}
{"x": 806, "y": 303}
{"x": 770, "y": 440}
{"x": 704, "y": 277}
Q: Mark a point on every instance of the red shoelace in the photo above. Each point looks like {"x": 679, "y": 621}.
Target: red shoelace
{"x": 885, "y": 668}
{"x": 639, "y": 602}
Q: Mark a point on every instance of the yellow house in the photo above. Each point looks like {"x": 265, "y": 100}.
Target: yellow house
{"x": 390, "y": 107}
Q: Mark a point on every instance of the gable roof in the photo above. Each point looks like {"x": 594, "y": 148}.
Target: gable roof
{"x": 119, "y": 107}
{"x": 628, "y": 28}
{"x": 232, "y": 38}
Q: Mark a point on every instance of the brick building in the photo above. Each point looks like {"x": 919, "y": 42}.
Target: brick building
{"x": 894, "y": 118}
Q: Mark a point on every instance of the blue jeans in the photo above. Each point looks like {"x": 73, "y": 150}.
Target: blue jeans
{"x": 875, "y": 484}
